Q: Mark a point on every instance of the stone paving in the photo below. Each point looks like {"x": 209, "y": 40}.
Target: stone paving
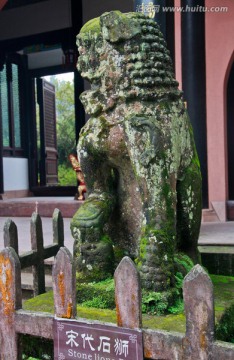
{"x": 211, "y": 233}
{"x": 23, "y": 226}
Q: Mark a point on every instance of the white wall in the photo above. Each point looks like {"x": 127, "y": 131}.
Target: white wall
{"x": 15, "y": 172}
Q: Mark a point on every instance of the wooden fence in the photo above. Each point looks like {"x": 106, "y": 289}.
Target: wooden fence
{"x": 197, "y": 343}
{"x": 35, "y": 258}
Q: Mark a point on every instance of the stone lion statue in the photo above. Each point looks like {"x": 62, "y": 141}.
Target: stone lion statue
{"x": 137, "y": 153}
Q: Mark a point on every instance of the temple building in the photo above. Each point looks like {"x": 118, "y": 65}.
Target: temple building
{"x": 38, "y": 39}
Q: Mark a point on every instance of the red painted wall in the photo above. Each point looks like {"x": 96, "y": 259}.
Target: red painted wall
{"x": 178, "y": 64}
{"x": 219, "y": 58}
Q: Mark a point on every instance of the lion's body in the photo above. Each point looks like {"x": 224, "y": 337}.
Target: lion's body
{"x": 137, "y": 150}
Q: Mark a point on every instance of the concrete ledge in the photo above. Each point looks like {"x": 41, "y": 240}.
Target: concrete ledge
{"x": 24, "y": 207}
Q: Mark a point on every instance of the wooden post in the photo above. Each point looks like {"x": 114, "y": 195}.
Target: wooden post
{"x": 58, "y": 228}
{"x": 11, "y": 235}
{"x": 10, "y": 300}
{"x": 199, "y": 311}
{"x": 128, "y": 295}
{"x": 37, "y": 245}
{"x": 64, "y": 285}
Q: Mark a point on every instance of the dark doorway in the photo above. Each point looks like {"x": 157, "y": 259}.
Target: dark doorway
{"x": 230, "y": 132}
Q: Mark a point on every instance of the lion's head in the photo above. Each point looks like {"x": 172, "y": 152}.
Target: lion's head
{"x": 124, "y": 56}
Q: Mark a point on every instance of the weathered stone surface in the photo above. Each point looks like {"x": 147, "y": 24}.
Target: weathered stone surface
{"x": 11, "y": 235}
{"x": 37, "y": 243}
{"x": 223, "y": 351}
{"x": 137, "y": 150}
{"x": 64, "y": 287}
{"x": 10, "y": 301}
{"x": 58, "y": 228}
{"x": 35, "y": 324}
{"x": 162, "y": 345}
{"x": 199, "y": 310}
{"x": 128, "y": 295}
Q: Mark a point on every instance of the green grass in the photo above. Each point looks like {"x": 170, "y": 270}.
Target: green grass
{"x": 44, "y": 303}
{"x": 223, "y": 293}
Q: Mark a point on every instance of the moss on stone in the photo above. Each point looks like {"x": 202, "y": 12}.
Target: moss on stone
{"x": 134, "y": 92}
{"x": 96, "y": 274}
{"x": 92, "y": 210}
{"x": 106, "y": 239}
{"x": 143, "y": 250}
{"x": 92, "y": 27}
{"x": 97, "y": 261}
{"x": 119, "y": 253}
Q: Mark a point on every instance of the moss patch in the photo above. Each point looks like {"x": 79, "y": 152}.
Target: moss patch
{"x": 92, "y": 26}
{"x": 43, "y": 303}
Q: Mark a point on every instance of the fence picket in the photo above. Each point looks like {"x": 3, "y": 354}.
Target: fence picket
{"x": 64, "y": 284}
{"x": 10, "y": 300}
{"x": 11, "y": 235}
{"x": 58, "y": 228}
{"x": 198, "y": 342}
{"x": 199, "y": 310}
{"x": 37, "y": 245}
{"x": 128, "y": 295}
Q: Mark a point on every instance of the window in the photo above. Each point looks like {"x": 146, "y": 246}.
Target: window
{"x": 10, "y": 110}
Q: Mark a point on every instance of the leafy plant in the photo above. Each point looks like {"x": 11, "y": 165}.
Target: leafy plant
{"x": 159, "y": 303}
{"x": 98, "y": 295}
{"x": 97, "y": 302}
{"x": 66, "y": 176}
{"x": 179, "y": 278}
{"x": 154, "y": 302}
{"x": 36, "y": 348}
{"x": 225, "y": 326}
{"x": 177, "y": 308}
{"x": 183, "y": 263}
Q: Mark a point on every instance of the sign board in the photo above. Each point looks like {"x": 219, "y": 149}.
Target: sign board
{"x": 77, "y": 340}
